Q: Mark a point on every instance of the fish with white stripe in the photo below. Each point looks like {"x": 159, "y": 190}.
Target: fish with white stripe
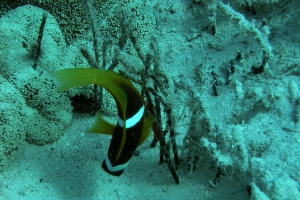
{"x": 132, "y": 127}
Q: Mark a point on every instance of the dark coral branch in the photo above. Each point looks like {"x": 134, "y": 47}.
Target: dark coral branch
{"x": 39, "y": 41}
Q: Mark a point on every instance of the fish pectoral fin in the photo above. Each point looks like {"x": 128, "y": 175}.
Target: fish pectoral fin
{"x": 147, "y": 128}
{"x": 101, "y": 126}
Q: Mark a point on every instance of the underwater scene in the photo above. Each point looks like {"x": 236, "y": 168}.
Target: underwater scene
{"x": 150, "y": 99}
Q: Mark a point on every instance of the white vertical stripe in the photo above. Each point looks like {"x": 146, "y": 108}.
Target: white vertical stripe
{"x": 116, "y": 168}
{"x": 133, "y": 120}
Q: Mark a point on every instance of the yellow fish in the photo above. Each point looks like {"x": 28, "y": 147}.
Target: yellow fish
{"x": 132, "y": 127}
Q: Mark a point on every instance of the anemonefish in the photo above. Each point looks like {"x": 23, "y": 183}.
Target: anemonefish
{"x": 132, "y": 127}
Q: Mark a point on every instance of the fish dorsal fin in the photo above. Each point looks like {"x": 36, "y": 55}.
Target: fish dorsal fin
{"x": 147, "y": 127}
{"x": 101, "y": 126}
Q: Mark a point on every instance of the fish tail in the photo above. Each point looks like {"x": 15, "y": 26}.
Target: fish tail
{"x": 70, "y": 78}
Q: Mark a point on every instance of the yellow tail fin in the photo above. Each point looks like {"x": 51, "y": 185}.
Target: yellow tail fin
{"x": 111, "y": 81}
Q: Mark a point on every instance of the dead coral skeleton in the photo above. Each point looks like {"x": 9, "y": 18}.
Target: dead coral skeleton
{"x": 155, "y": 94}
